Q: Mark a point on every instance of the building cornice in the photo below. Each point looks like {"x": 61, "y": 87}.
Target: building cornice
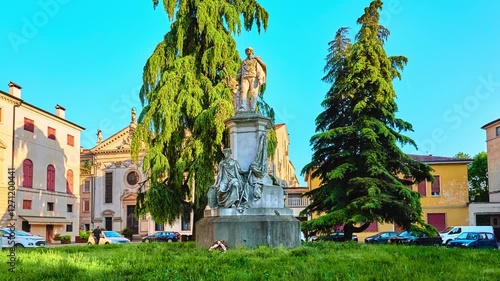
{"x": 28, "y": 106}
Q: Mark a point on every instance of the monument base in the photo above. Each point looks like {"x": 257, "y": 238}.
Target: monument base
{"x": 249, "y": 231}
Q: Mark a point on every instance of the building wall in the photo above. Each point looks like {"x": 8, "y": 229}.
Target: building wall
{"x": 86, "y": 176}
{"x": 452, "y": 201}
{"x": 281, "y": 167}
{"x": 493, "y": 149}
{"x": 42, "y": 151}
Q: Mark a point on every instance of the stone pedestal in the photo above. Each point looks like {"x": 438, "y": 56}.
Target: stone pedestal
{"x": 249, "y": 231}
{"x": 266, "y": 222}
{"x": 245, "y": 129}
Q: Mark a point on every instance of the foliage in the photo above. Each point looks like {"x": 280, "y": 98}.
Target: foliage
{"x": 57, "y": 237}
{"x": 356, "y": 156}
{"x": 65, "y": 239}
{"x": 84, "y": 234}
{"x": 320, "y": 261}
{"x": 462, "y": 155}
{"x": 478, "y": 178}
{"x": 128, "y": 233}
{"x": 185, "y": 102}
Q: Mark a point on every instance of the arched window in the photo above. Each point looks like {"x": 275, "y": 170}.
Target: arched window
{"x": 69, "y": 182}
{"x": 51, "y": 178}
{"x": 27, "y": 173}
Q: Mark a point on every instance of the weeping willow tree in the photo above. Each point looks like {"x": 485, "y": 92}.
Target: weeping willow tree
{"x": 185, "y": 101}
{"x": 363, "y": 172}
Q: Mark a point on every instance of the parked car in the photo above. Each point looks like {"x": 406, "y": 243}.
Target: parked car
{"x": 453, "y": 232}
{"x": 381, "y": 237}
{"x": 336, "y": 236}
{"x": 474, "y": 240}
{"x": 162, "y": 236}
{"x": 415, "y": 238}
{"x": 109, "y": 237}
{"x": 22, "y": 239}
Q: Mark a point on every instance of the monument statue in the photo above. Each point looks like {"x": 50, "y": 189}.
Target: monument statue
{"x": 99, "y": 136}
{"x": 251, "y": 75}
{"x": 230, "y": 183}
{"x": 133, "y": 116}
{"x": 258, "y": 169}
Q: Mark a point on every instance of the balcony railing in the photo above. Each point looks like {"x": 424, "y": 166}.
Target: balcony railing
{"x": 297, "y": 202}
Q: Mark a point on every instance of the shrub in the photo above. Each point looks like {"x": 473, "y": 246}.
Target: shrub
{"x": 65, "y": 239}
{"x": 128, "y": 233}
{"x": 84, "y": 234}
{"x": 57, "y": 237}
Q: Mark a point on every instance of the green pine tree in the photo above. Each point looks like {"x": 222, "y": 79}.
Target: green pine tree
{"x": 185, "y": 102}
{"x": 355, "y": 149}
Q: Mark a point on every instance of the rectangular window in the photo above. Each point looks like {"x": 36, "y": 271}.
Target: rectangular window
{"x": 108, "y": 188}
{"x": 498, "y": 131}
{"x": 71, "y": 140}
{"x": 25, "y": 226}
{"x": 186, "y": 222}
{"x": 50, "y": 206}
{"x": 422, "y": 188}
{"x": 158, "y": 227}
{"x": 86, "y": 186}
{"x": 69, "y": 227}
{"x": 29, "y": 125}
{"x": 69, "y": 208}
{"x": 86, "y": 205}
{"x": 27, "y": 204}
{"x": 436, "y": 186}
{"x": 51, "y": 133}
{"x": 86, "y": 226}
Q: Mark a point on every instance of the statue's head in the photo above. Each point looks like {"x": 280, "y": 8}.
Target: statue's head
{"x": 227, "y": 152}
{"x": 249, "y": 51}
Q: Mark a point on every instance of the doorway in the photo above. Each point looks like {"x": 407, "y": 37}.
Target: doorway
{"x": 49, "y": 233}
{"x": 132, "y": 222}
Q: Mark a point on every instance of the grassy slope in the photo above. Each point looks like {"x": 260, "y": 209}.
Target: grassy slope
{"x": 313, "y": 261}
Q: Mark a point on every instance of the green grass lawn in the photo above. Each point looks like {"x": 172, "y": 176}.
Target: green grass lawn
{"x": 310, "y": 262}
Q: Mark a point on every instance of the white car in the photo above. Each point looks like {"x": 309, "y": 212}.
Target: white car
{"x": 109, "y": 237}
{"x": 22, "y": 239}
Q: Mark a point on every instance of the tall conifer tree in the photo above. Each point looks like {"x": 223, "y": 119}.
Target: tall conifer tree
{"x": 355, "y": 150}
{"x": 185, "y": 102}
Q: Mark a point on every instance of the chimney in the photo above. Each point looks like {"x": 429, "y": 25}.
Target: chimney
{"x": 60, "y": 111}
{"x": 15, "y": 90}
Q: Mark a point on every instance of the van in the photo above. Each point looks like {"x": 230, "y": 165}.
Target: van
{"x": 452, "y": 232}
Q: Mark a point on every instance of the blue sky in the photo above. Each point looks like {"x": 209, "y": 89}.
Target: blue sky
{"x": 88, "y": 56}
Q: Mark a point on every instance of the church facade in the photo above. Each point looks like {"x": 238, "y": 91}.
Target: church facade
{"x": 110, "y": 182}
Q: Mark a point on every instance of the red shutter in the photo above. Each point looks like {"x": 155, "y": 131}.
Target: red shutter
{"x": 438, "y": 220}
{"x": 373, "y": 227}
{"x": 71, "y": 140}
{"x": 436, "y": 186}
{"x": 51, "y": 178}
{"x": 410, "y": 179}
{"x": 422, "y": 188}
{"x": 27, "y": 173}
{"x": 51, "y": 133}
{"x": 27, "y": 204}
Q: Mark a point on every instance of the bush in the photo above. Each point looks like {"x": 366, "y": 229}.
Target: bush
{"x": 57, "y": 237}
{"x": 128, "y": 233}
{"x": 85, "y": 234}
{"x": 65, "y": 239}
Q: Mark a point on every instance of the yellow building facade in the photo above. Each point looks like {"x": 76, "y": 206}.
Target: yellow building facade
{"x": 444, "y": 202}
